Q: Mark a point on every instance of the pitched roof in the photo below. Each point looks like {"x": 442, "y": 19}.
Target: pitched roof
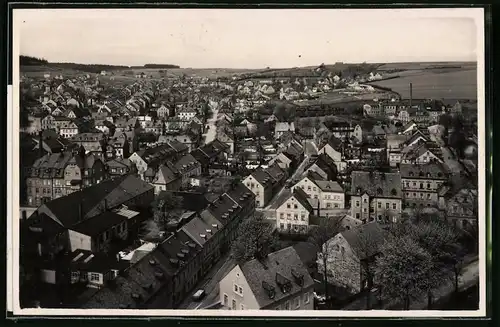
{"x": 432, "y": 170}
{"x": 387, "y": 185}
{"x": 279, "y": 269}
{"x": 115, "y": 191}
{"x": 365, "y": 239}
{"x": 329, "y": 186}
{"x": 302, "y": 196}
{"x": 99, "y": 224}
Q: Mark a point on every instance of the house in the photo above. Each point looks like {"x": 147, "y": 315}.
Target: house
{"x": 350, "y": 254}
{"x": 58, "y": 174}
{"x": 328, "y": 194}
{"x": 421, "y": 184}
{"x": 211, "y": 153}
{"x": 119, "y": 167}
{"x": 334, "y": 149}
{"x": 283, "y": 160}
{"x": 188, "y": 167}
{"x": 164, "y": 111}
{"x": 376, "y": 195}
{"x": 293, "y": 212}
{"x": 48, "y": 122}
{"x": 95, "y": 270}
{"x": 87, "y": 219}
{"x": 166, "y": 178}
{"x": 282, "y": 127}
{"x": 91, "y": 142}
{"x": 152, "y": 157}
{"x": 394, "y": 146}
{"x": 225, "y": 136}
{"x": 129, "y": 137}
{"x": 105, "y": 126}
{"x": 186, "y": 114}
{"x": 462, "y": 208}
{"x": 264, "y": 183}
{"x": 189, "y": 140}
{"x": 324, "y": 166}
{"x": 422, "y": 153}
{"x": 279, "y": 281}
{"x": 68, "y": 129}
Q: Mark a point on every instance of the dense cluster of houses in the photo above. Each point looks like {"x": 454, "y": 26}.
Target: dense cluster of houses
{"x": 100, "y": 155}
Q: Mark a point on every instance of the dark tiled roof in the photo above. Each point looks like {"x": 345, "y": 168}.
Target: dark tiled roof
{"x": 301, "y": 196}
{"x": 99, "y": 224}
{"x": 115, "y": 191}
{"x": 365, "y": 239}
{"x": 432, "y": 170}
{"x": 278, "y": 267}
{"x": 387, "y": 185}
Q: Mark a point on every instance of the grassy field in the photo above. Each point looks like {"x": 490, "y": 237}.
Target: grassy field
{"x": 435, "y": 83}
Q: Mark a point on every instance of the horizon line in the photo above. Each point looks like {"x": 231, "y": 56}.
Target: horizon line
{"x": 260, "y": 68}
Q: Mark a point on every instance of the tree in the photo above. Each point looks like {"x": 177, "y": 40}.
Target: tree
{"x": 162, "y": 206}
{"x": 403, "y": 268}
{"x": 439, "y": 239}
{"x": 256, "y": 239}
{"x": 319, "y": 236}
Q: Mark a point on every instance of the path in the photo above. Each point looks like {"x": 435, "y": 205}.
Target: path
{"x": 211, "y": 131}
{"x": 210, "y": 284}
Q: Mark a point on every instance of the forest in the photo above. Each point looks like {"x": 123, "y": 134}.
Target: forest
{"x": 89, "y": 68}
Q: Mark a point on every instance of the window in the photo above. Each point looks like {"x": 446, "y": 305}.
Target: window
{"x": 236, "y": 288}
{"x": 394, "y": 206}
{"x": 428, "y": 185}
{"x": 357, "y": 215}
{"x": 288, "y": 206}
{"x": 314, "y": 189}
{"x": 297, "y": 302}
{"x": 287, "y": 305}
{"x": 242, "y": 307}
{"x": 429, "y": 196}
{"x": 295, "y": 206}
{"x": 282, "y": 215}
{"x": 357, "y": 203}
{"x": 288, "y": 216}
{"x": 233, "y": 304}
{"x": 240, "y": 290}
{"x": 379, "y": 205}
{"x": 226, "y": 300}
{"x": 387, "y": 205}
{"x": 365, "y": 200}
{"x": 306, "y": 297}
{"x": 295, "y": 217}
{"x": 364, "y": 210}
{"x": 328, "y": 205}
{"x": 282, "y": 226}
{"x": 302, "y": 217}
{"x": 94, "y": 277}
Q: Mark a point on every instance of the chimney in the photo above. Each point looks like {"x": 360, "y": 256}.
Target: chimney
{"x": 411, "y": 93}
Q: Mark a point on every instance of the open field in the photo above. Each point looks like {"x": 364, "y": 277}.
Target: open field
{"x": 435, "y": 83}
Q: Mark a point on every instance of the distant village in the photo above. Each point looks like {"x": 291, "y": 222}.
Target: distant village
{"x": 233, "y": 193}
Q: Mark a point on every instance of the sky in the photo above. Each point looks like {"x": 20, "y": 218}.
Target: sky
{"x": 247, "y": 38}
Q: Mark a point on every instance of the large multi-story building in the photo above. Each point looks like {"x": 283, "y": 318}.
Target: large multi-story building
{"x": 55, "y": 175}
{"x": 421, "y": 183}
{"x": 376, "y": 195}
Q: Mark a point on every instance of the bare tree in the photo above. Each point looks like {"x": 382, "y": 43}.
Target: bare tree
{"x": 319, "y": 236}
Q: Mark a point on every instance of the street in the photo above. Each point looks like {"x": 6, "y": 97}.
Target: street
{"x": 467, "y": 279}
{"x": 210, "y": 284}
{"x": 211, "y": 132}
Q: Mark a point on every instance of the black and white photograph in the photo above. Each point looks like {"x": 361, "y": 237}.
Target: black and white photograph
{"x": 247, "y": 162}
